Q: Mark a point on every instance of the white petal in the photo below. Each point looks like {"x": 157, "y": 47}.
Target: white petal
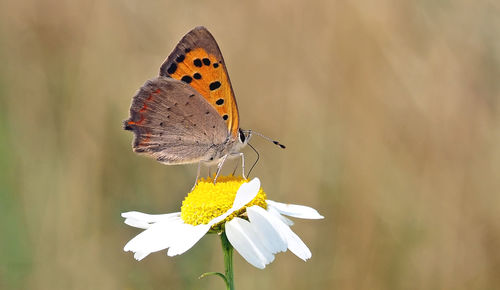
{"x": 246, "y": 193}
{"x": 276, "y": 213}
{"x": 144, "y": 221}
{"x": 268, "y": 231}
{"x": 173, "y": 234}
{"x": 187, "y": 236}
{"x": 245, "y": 240}
{"x": 294, "y": 210}
{"x": 292, "y": 241}
{"x": 137, "y": 224}
{"x": 140, "y": 255}
{"x": 295, "y": 244}
{"x": 157, "y": 237}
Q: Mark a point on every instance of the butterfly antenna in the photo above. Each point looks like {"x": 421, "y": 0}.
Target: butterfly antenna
{"x": 257, "y": 160}
{"x": 267, "y": 138}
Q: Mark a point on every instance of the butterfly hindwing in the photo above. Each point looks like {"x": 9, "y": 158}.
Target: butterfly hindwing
{"x": 173, "y": 123}
{"x": 197, "y": 61}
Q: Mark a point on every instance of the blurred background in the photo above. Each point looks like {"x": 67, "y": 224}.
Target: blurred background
{"x": 389, "y": 110}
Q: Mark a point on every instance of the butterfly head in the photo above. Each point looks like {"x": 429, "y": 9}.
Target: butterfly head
{"x": 244, "y": 136}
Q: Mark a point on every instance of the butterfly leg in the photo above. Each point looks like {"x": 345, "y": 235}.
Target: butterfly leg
{"x": 236, "y": 167}
{"x": 197, "y": 176}
{"x": 242, "y": 164}
{"x": 219, "y": 167}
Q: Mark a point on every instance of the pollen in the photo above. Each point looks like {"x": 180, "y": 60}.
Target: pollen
{"x": 208, "y": 200}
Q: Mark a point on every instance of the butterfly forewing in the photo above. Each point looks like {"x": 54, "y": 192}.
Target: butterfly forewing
{"x": 197, "y": 61}
{"x": 173, "y": 123}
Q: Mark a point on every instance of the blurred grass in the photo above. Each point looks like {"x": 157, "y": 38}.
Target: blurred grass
{"x": 389, "y": 111}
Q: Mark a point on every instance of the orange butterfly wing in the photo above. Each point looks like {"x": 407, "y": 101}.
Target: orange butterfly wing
{"x": 197, "y": 60}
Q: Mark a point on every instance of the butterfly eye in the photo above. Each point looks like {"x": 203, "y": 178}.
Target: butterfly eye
{"x": 242, "y": 137}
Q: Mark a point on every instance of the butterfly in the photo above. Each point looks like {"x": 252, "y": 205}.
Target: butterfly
{"x": 188, "y": 114}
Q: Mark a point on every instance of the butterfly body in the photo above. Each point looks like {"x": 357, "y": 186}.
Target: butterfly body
{"x": 188, "y": 113}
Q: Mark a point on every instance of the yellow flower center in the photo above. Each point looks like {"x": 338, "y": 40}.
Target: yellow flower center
{"x": 208, "y": 200}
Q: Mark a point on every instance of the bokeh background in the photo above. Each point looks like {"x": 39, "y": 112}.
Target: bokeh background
{"x": 389, "y": 109}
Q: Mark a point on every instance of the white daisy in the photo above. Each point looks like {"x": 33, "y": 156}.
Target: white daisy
{"x": 255, "y": 227}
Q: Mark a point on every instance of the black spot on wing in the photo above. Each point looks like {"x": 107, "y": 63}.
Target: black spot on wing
{"x": 180, "y": 58}
{"x": 206, "y": 61}
{"x": 197, "y": 62}
{"x": 197, "y": 76}
{"x": 187, "y": 79}
{"x": 214, "y": 85}
{"x": 172, "y": 68}
{"x": 220, "y": 102}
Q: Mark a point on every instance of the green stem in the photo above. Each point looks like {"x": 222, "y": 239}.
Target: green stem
{"x": 227, "y": 248}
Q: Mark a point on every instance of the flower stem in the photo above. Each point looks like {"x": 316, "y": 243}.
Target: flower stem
{"x": 227, "y": 248}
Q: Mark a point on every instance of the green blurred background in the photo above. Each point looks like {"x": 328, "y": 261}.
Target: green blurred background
{"x": 389, "y": 109}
